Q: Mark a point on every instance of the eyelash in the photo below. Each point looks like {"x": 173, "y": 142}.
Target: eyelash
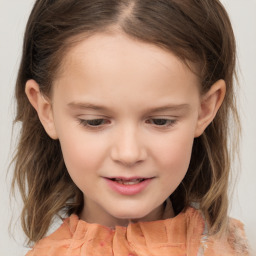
{"x": 93, "y": 123}
{"x": 162, "y": 122}
{"x": 99, "y": 122}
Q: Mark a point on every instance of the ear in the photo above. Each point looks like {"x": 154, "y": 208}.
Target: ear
{"x": 210, "y": 104}
{"x": 43, "y": 107}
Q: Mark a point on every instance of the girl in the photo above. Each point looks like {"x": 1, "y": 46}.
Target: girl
{"x": 124, "y": 108}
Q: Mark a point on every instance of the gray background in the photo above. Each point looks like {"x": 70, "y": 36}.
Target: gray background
{"x": 13, "y": 16}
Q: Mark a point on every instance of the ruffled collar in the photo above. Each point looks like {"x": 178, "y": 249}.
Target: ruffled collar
{"x": 173, "y": 236}
{"x": 180, "y": 235}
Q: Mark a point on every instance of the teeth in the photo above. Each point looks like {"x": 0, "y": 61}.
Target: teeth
{"x": 128, "y": 182}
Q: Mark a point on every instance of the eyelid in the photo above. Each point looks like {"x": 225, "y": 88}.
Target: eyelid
{"x": 85, "y": 123}
{"x": 169, "y": 121}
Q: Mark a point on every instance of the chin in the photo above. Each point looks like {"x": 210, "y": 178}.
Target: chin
{"x": 129, "y": 214}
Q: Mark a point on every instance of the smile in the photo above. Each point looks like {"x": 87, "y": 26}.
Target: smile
{"x": 128, "y": 186}
{"x": 128, "y": 182}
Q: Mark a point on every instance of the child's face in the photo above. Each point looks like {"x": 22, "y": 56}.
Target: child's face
{"x": 125, "y": 110}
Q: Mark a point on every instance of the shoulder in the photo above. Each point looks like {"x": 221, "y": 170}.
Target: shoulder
{"x": 237, "y": 238}
{"x": 59, "y": 241}
{"x": 233, "y": 242}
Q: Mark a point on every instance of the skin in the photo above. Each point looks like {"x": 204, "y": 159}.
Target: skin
{"x": 148, "y": 110}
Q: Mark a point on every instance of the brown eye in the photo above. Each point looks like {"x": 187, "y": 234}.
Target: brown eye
{"x": 93, "y": 122}
{"x": 161, "y": 122}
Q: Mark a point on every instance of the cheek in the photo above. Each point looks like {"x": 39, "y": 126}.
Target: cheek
{"x": 82, "y": 154}
{"x": 174, "y": 155}
{"x": 83, "y": 159}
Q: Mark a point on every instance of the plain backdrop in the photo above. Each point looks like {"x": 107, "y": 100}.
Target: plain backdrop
{"x": 13, "y": 17}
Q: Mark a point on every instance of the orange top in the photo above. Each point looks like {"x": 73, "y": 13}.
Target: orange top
{"x": 185, "y": 234}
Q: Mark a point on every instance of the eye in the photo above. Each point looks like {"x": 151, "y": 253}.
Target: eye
{"x": 91, "y": 123}
{"x": 161, "y": 122}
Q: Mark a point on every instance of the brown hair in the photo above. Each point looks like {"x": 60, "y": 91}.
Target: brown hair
{"x": 197, "y": 31}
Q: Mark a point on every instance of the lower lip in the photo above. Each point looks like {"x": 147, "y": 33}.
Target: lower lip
{"x": 128, "y": 189}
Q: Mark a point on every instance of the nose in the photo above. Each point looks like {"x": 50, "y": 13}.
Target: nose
{"x": 128, "y": 148}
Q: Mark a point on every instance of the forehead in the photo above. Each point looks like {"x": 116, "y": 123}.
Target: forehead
{"x": 116, "y": 64}
{"x": 105, "y": 48}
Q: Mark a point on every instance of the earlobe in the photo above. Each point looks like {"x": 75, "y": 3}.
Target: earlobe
{"x": 210, "y": 104}
{"x": 43, "y": 107}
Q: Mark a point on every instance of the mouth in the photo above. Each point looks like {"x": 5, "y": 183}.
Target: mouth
{"x": 125, "y": 181}
{"x": 128, "y": 186}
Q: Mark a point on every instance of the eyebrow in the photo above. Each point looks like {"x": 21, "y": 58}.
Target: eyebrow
{"x": 82, "y": 105}
{"x": 172, "y": 107}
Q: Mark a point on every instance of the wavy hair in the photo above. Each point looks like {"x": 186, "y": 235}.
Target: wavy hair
{"x": 197, "y": 31}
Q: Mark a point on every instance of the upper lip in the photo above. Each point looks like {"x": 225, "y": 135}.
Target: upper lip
{"x": 128, "y": 178}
